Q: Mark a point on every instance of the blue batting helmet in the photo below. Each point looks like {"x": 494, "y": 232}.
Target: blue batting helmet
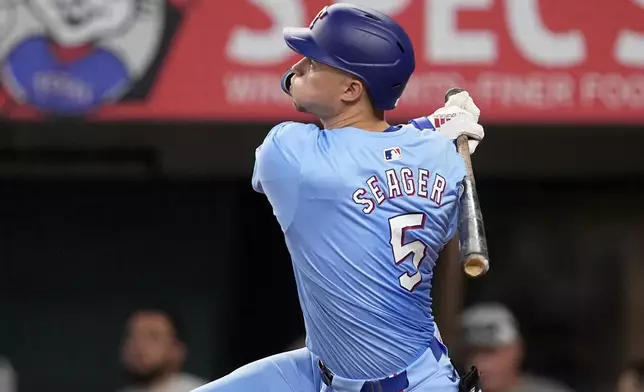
{"x": 363, "y": 42}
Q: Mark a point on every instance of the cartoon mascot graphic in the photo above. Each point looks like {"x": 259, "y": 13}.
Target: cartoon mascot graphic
{"x": 69, "y": 57}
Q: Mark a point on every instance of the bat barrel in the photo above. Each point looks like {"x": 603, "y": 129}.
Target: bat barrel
{"x": 474, "y": 253}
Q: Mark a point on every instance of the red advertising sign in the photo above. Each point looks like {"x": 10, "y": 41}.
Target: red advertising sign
{"x": 530, "y": 61}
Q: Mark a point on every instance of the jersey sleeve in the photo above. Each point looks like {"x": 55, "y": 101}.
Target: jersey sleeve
{"x": 278, "y": 163}
{"x": 453, "y": 224}
{"x": 457, "y": 177}
{"x": 422, "y": 124}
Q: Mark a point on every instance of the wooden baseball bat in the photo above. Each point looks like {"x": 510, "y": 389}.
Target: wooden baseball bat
{"x": 474, "y": 255}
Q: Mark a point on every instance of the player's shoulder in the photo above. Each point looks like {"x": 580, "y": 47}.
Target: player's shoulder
{"x": 291, "y": 135}
{"x": 438, "y": 149}
{"x": 429, "y": 134}
{"x": 432, "y": 140}
{"x": 293, "y": 129}
{"x": 288, "y": 140}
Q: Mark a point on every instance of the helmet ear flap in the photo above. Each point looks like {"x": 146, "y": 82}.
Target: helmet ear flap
{"x": 286, "y": 81}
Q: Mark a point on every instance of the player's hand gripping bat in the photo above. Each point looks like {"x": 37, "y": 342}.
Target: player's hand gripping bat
{"x": 474, "y": 256}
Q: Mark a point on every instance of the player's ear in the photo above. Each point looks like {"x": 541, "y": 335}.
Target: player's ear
{"x": 354, "y": 89}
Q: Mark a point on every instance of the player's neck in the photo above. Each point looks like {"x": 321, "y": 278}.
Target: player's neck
{"x": 359, "y": 120}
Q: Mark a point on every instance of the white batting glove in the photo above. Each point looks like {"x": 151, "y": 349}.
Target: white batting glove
{"x": 459, "y": 116}
{"x": 464, "y": 101}
{"x": 453, "y": 122}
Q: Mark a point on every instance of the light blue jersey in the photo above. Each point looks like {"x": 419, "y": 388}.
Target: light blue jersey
{"x": 365, "y": 215}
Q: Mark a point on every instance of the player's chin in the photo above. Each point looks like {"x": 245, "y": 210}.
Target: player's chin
{"x": 299, "y": 108}
{"x": 298, "y": 99}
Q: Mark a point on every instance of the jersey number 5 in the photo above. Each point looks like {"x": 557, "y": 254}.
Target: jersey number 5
{"x": 398, "y": 226}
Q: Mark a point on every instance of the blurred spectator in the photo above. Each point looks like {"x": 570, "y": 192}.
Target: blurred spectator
{"x": 8, "y": 381}
{"x": 492, "y": 342}
{"x": 153, "y": 353}
{"x": 631, "y": 378}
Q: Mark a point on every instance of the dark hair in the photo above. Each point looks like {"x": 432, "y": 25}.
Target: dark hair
{"x": 169, "y": 313}
{"x": 637, "y": 367}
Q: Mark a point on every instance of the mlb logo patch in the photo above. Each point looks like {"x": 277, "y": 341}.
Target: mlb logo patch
{"x": 393, "y": 154}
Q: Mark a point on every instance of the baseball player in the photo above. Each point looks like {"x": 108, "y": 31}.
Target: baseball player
{"x": 365, "y": 207}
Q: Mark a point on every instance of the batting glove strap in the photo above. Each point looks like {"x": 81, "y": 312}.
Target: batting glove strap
{"x": 422, "y": 123}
